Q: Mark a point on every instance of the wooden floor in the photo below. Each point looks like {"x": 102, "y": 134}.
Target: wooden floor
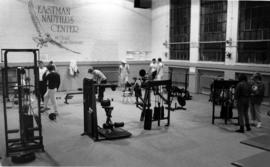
{"x": 190, "y": 141}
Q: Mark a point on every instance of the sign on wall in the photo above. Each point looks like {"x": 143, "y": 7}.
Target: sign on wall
{"x": 54, "y": 25}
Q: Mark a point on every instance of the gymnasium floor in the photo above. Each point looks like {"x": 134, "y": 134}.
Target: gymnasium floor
{"x": 190, "y": 141}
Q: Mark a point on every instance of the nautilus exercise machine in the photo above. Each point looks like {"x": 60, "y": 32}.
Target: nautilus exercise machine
{"x": 161, "y": 91}
{"x": 109, "y": 130}
{"x": 222, "y": 92}
{"x": 22, "y": 142}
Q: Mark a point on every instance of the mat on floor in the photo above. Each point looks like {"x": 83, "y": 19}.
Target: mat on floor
{"x": 258, "y": 160}
{"x": 42, "y": 159}
{"x": 261, "y": 142}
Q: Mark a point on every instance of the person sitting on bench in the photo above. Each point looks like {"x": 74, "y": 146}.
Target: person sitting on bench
{"x": 101, "y": 79}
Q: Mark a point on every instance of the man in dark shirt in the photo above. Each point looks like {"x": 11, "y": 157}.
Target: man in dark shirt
{"x": 53, "y": 83}
{"x": 242, "y": 93}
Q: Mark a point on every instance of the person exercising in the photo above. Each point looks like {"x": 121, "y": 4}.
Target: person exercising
{"x": 53, "y": 82}
{"x": 101, "y": 79}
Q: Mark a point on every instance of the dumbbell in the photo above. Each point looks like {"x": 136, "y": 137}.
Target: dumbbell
{"x": 107, "y": 126}
{"x": 52, "y": 116}
{"x": 118, "y": 124}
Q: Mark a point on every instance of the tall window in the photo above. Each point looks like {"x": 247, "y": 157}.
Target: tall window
{"x": 213, "y": 30}
{"x": 179, "y": 29}
{"x": 254, "y": 32}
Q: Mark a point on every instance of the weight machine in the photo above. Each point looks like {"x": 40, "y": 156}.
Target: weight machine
{"x": 22, "y": 142}
{"x": 109, "y": 130}
{"x": 222, "y": 92}
{"x": 178, "y": 94}
{"x": 144, "y": 103}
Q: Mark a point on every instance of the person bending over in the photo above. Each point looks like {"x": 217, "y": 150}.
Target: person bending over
{"x": 100, "y": 78}
{"x": 53, "y": 82}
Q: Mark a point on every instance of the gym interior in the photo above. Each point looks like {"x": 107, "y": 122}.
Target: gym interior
{"x": 187, "y": 118}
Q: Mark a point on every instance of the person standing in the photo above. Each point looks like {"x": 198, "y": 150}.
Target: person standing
{"x": 160, "y": 69}
{"x": 101, "y": 79}
{"x": 257, "y": 94}
{"x": 242, "y": 94}
{"x": 42, "y": 84}
{"x": 153, "y": 69}
{"x": 124, "y": 72}
{"x": 53, "y": 82}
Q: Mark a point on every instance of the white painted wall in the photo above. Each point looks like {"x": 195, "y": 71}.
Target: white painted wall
{"x": 107, "y": 29}
{"x": 232, "y": 31}
{"x": 194, "y": 31}
{"x": 160, "y": 28}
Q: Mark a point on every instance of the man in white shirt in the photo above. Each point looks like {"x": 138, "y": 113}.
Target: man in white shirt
{"x": 101, "y": 79}
{"x": 153, "y": 68}
{"x": 160, "y": 69}
{"x": 124, "y": 72}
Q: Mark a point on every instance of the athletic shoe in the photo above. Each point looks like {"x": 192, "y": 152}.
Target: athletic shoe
{"x": 44, "y": 109}
{"x": 259, "y": 125}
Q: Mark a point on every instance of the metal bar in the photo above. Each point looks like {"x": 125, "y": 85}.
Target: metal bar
{"x": 13, "y": 131}
{"x": 37, "y": 92}
{"x": 262, "y": 40}
{"x": 6, "y": 74}
{"x": 250, "y": 40}
{"x": 5, "y": 109}
{"x": 169, "y": 104}
{"x": 20, "y": 101}
{"x": 20, "y": 50}
{"x": 175, "y": 43}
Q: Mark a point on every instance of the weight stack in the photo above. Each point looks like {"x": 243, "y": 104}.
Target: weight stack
{"x": 148, "y": 119}
{"x": 28, "y": 124}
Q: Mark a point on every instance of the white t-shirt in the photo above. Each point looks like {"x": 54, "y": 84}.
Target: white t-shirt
{"x": 41, "y": 72}
{"x": 99, "y": 76}
{"x": 160, "y": 71}
{"x": 153, "y": 67}
{"x": 124, "y": 69}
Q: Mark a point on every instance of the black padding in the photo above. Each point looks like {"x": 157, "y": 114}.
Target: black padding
{"x": 148, "y": 119}
{"x": 142, "y": 73}
{"x": 52, "y": 116}
{"x": 115, "y": 133}
{"x": 107, "y": 126}
{"x": 157, "y": 113}
{"x": 23, "y": 158}
{"x": 105, "y": 103}
{"x": 119, "y": 124}
{"x": 181, "y": 100}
